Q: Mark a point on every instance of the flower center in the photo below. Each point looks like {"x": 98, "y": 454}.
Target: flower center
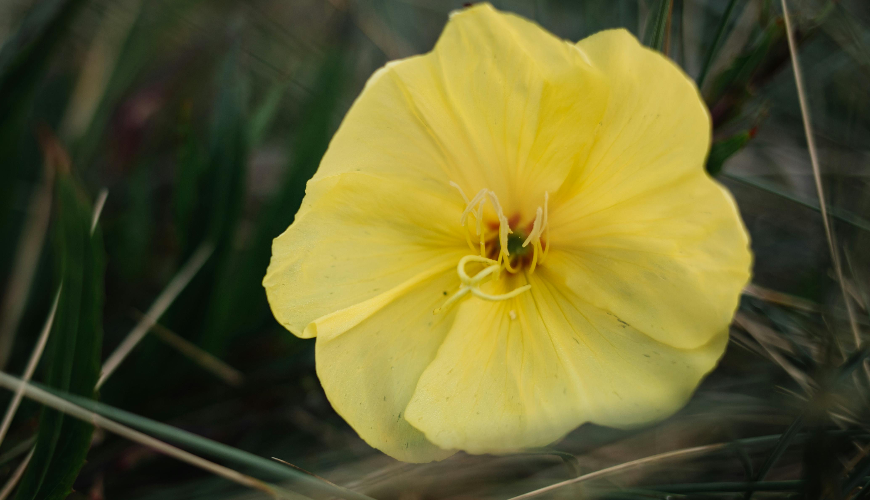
{"x": 498, "y": 249}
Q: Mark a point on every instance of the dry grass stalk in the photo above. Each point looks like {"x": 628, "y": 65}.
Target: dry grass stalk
{"x": 9, "y": 382}
{"x": 202, "y": 358}
{"x": 160, "y": 305}
{"x": 814, "y": 160}
{"x": 31, "y": 366}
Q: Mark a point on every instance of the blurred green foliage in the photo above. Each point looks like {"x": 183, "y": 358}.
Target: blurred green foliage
{"x": 204, "y": 120}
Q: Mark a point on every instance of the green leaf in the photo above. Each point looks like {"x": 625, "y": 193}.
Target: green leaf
{"x": 257, "y": 464}
{"x": 24, "y": 61}
{"x": 265, "y": 113}
{"x": 73, "y": 353}
{"x": 714, "y": 48}
{"x": 657, "y": 26}
{"x": 781, "y": 445}
{"x": 744, "y": 68}
{"x": 726, "y": 148}
{"x": 223, "y": 193}
{"x": 241, "y": 303}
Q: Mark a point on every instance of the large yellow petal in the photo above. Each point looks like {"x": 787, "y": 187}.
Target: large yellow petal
{"x": 672, "y": 263}
{"x": 500, "y": 384}
{"x": 654, "y": 131}
{"x": 499, "y": 103}
{"x": 645, "y": 233}
{"x": 369, "y": 368}
{"x": 357, "y": 237}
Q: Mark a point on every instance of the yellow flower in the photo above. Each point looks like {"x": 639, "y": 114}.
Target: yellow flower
{"x": 510, "y": 236}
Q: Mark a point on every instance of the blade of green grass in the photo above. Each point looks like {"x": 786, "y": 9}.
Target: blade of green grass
{"x": 27, "y": 254}
{"x": 817, "y": 175}
{"x": 158, "y": 307}
{"x": 31, "y": 365}
{"x": 728, "y": 487}
{"x": 74, "y": 346}
{"x": 219, "y": 191}
{"x": 75, "y": 411}
{"x": 726, "y": 148}
{"x": 13, "y": 479}
{"x": 781, "y": 445}
{"x": 657, "y": 31}
{"x": 262, "y": 465}
{"x": 16, "y": 451}
{"x": 241, "y": 301}
{"x": 265, "y": 113}
{"x": 676, "y": 454}
{"x": 24, "y": 60}
{"x": 717, "y": 39}
{"x": 837, "y": 213}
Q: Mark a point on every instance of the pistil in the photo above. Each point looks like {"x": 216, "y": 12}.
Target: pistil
{"x": 471, "y": 284}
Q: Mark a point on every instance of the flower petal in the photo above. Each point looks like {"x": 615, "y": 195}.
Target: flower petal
{"x": 499, "y": 103}
{"x": 641, "y": 229}
{"x": 654, "y": 131}
{"x": 499, "y": 384}
{"x": 357, "y": 237}
{"x": 369, "y": 369}
{"x": 672, "y": 263}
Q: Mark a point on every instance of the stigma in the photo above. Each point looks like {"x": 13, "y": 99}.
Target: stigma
{"x": 506, "y": 250}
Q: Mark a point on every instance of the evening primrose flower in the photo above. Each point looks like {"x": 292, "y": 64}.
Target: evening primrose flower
{"x": 508, "y": 237}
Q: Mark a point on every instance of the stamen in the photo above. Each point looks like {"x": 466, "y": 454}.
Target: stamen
{"x": 504, "y": 228}
{"x": 477, "y": 292}
{"x": 472, "y": 283}
{"x": 473, "y": 207}
{"x": 536, "y": 227}
{"x": 469, "y": 208}
{"x": 456, "y": 296}
{"x": 461, "y": 192}
{"x": 465, "y": 278}
{"x": 539, "y": 227}
{"x": 537, "y": 248}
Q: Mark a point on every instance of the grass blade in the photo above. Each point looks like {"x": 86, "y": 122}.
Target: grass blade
{"x": 660, "y": 24}
{"x": 31, "y": 366}
{"x": 161, "y": 303}
{"x": 114, "y": 419}
{"x": 726, "y": 148}
{"x": 12, "y": 482}
{"x": 202, "y": 358}
{"x": 837, "y": 213}
{"x": 61, "y": 405}
{"x": 777, "y": 452}
{"x": 814, "y": 160}
{"x": 26, "y": 259}
{"x": 73, "y": 348}
{"x": 714, "y": 49}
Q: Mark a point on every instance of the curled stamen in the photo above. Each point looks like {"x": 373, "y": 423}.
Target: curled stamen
{"x": 477, "y": 292}
{"x": 469, "y": 280}
{"x": 471, "y": 284}
{"x": 456, "y": 296}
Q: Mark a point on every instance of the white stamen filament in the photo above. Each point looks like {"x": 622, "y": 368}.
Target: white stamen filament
{"x": 536, "y": 227}
{"x": 461, "y": 192}
{"x": 471, "y": 284}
